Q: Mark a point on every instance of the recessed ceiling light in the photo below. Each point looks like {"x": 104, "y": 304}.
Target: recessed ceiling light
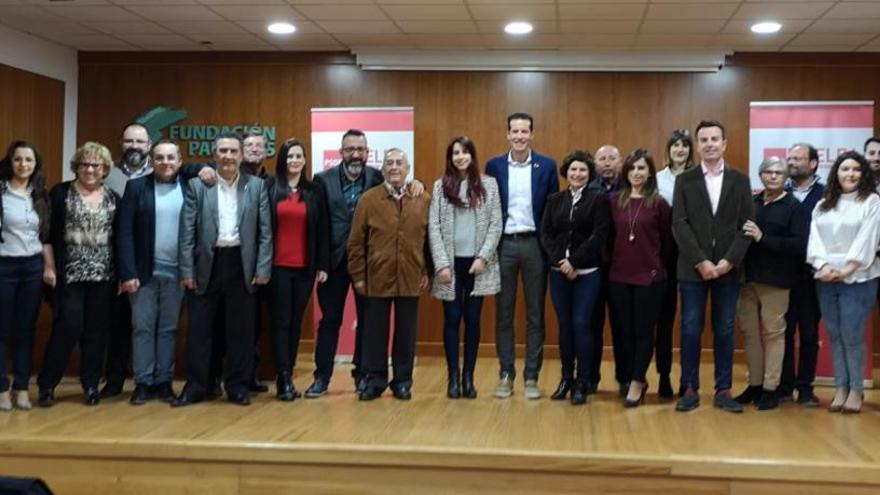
{"x": 281, "y": 28}
{"x": 518, "y": 28}
{"x": 766, "y": 27}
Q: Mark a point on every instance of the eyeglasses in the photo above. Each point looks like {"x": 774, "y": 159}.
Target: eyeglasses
{"x": 353, "y": 149}
{"x": 95, "y": 166}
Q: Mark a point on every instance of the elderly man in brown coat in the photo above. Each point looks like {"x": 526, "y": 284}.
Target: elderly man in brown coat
{"x": 389, "y": 263}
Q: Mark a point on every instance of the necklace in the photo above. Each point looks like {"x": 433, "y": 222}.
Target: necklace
{"x": 632, "y": 220}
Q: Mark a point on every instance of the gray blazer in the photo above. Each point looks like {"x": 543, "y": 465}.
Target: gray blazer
{"x": 441, "y": 233}
{"x": 199, "y": 229}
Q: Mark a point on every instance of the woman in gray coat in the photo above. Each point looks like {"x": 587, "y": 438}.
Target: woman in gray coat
{"x": 464, "y": 229}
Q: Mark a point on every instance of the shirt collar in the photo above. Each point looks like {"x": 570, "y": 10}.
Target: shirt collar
{"x": 708, "y": 172}
{"x": 791, "y": 186}
{"x": 394, "y": 192}
{"x": 227, "y": 184}
{"x": 514, "y": 163}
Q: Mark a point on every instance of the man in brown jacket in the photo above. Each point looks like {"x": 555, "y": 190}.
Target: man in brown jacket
{"x": 388, "y": 263}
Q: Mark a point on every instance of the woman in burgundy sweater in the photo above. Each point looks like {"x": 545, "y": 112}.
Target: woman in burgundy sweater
{"x": 642, "y": 241}
{"x": 299, "y": 228}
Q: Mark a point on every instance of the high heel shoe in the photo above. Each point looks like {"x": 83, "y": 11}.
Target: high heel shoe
{"x": 851, "y": 406}
{"x": 562, "y": 390}
{"x": 840, "y": 397}
{"x": 633, "y": 403}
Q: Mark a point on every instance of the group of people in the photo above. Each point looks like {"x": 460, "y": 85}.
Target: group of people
{"x": 122, "y": 246}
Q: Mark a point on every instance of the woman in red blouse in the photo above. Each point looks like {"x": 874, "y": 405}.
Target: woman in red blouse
{"x": 299, "y": 227}
{"x": 642, "y": 242}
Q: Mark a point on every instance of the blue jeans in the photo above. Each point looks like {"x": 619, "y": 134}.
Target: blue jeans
{"x": 573, "y": 301}
{"x": 845, "y": 308}
{"x": 467, "y": 307}
{"x": 21, "y": 291}
{"x": 155, "y": 311}
{"x": 693, "y": 318}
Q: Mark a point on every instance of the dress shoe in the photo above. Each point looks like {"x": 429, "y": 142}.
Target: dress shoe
{"x": 215, "y": 390}
{"x": 532, "y": 391}
{"x": 240, "y": 397}
{"x": 186, "y": 398}
{"x": 688, "y": 401}
{"x": 562, "y": 390}
{"x": 46, "y": 397}
{"x": 840, "y": 396}
{"x": 664, "y": 389}
{"x": 91, "y": 396}
{"x": 504, "y": 389}
{"x": 629, "y": 402}
{"x": 317, "y": 388}
{"x": 401, "y": 392}
{"x": 785, "y": 393}
{"x": 5, "y": 401}
{"x": 769, "y": 400}
{"x": 360, "y": 383}
{"x": 725, "y": 402}
{"x": 807, "y": 398}
{"x": 141, "y": 394}
{"x": 467, "y": 385}
{"x": 164, "y": 392}
{"x": 370, "y": 393}
{"x": 284, "y": 388}
{"x": 111, "y": 389}
{"x": 752, "y": 394}
{"x": 257, "y": 386}
{"x": 22, "y": 401}
{"x": 592, "y": 388}
{"x": 579, "y": 394}
{"x": 453, "y": 387}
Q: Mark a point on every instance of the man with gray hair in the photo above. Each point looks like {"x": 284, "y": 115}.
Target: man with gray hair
{"x": 389, "y": 264}
{"x": 803, "y": 310}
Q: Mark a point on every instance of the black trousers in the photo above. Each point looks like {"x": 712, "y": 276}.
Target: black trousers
{"x": 118, "y": 363}
{"x": 82, "y": 314}
{"x": 331, "y": 297}
{"x": 666, "y": 319}
{"x": 802, "y": 318}
{"x": 226, "y": 290}
{"x": 377, "y": 311}
{"x": 598, "y": 328}
{"x": 637, "y": 307}
{"x": 289, "y": 293}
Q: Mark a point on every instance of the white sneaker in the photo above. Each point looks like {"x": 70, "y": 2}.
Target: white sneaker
{"x": 504, "y": 389}
{"x": 532, "y": 390}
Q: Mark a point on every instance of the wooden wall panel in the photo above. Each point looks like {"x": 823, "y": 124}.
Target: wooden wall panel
{"x": 572, "y": 110}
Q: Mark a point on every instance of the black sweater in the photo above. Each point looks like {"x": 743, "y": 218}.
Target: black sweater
{"x": 777, "y": 260}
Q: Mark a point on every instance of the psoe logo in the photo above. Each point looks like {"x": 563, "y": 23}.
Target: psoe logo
{"x": 197, "y": 138}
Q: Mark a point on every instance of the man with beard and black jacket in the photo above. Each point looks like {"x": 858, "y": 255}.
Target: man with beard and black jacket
{"x": 135, "y": 162}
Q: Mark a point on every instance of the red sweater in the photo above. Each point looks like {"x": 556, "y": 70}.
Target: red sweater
{"x": 642, "y": 260}
{"x": 291, "y": 249}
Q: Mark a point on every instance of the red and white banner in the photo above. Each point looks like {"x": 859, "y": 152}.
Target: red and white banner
{"x": 832, "y": 127}
{"x": 385, "y": 128}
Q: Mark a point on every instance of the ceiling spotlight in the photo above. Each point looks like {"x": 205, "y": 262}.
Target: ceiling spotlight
{"x": 766, "y": 27}
{"x": 281, "y": 28}
{"x": 518, "y": 28}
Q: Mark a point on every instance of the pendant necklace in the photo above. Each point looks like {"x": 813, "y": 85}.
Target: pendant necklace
{"x": 632, "y": 220}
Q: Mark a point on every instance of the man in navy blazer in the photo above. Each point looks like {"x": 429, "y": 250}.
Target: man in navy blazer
{"x": 525, "y": 180}
{"x": 803, "y": 309}
{"x": 147, "y": 266}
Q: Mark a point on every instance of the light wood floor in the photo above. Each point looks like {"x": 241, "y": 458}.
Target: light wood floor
{"x": 336, "y": 444}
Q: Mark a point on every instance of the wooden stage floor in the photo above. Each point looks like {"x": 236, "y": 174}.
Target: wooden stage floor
{"x": 431, "y": 444}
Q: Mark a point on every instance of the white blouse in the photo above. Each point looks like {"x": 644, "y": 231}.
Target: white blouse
{"x": 849, "y": 232}
{"x": 666, "y": 184}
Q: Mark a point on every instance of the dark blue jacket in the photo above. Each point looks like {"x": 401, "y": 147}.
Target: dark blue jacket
{"x": 545, "y": 181}
{"x": 136, "y": 229}
{"x": 808, "y": 205}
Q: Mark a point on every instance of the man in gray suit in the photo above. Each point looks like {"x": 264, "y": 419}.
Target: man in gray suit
{"x": 225, "y": 254}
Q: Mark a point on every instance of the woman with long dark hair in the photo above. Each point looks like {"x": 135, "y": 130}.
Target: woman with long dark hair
{"x": 464, "y": 228}
{"x": 25, "y": 263}
{"x": 299, "y": 227}
{"x": 842, "y": 247}
{"x": 574, "y": 230}
{"x": 679, "y": 157}
{"x": 643, "y": 234}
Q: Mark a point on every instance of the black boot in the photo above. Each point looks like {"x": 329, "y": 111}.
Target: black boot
{"x": 284, "y": 388}
{"x": 665, "y": 387}
{"x": 453, "y": 389}
{"x": 562, "y": 390}
{"x": 579, "y": 393}
{"x": 751, "y": 394}
{"x": 468, "y": 391}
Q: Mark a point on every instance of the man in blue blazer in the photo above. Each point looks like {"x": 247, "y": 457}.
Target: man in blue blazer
{"x": 147, "y": 266}
{"x": 525, "y": 180}
{"x": 803, "y": 309}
